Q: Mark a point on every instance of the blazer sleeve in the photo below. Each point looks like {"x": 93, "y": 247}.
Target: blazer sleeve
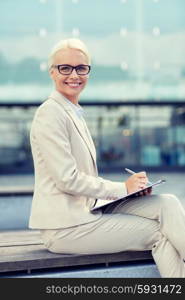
{"x": 51, "y": 138}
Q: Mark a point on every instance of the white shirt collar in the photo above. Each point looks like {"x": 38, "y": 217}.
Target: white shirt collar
{"x": 76, "y": 107}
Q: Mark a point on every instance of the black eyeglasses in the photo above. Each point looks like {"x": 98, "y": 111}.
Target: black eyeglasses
{"x": 68, "y": 69}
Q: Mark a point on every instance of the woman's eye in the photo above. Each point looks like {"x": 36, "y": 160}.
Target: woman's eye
{"x": 82, "y": 68}
{"x": 65, "y": 69}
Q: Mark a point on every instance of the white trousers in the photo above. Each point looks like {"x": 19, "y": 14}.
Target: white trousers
{"x": 154, "y": 222}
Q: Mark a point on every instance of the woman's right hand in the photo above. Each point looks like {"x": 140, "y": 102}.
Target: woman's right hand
{"x": 136, "y": 182}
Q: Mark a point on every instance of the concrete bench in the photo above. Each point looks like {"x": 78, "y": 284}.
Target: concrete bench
{"x": 23, "y": 250}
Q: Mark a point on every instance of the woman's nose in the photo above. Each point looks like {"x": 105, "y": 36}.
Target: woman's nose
{"x": 73, "y": 74}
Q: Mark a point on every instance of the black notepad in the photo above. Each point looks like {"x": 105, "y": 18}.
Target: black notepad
{"x": 102, "y": 203}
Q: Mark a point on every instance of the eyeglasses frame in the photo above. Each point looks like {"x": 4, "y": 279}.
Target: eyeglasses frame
{"x": 73, "y": 68}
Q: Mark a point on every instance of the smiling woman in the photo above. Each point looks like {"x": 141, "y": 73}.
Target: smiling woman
{"x": 69, "y": 68}
{"x": 67, "y": 184}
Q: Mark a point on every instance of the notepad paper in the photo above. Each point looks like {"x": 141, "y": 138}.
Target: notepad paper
{"x": 102, "y": 203}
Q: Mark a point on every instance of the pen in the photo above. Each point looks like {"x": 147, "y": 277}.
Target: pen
{"x": 132, "y": 172}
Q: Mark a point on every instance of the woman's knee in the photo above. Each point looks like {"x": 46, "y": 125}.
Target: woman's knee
{"x": 168, "y": 200}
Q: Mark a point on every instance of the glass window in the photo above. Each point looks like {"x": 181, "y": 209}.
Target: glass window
{"x": 137, "y": 47}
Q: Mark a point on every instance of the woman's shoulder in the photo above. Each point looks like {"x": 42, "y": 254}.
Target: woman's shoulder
{"x": 49, "y": 106}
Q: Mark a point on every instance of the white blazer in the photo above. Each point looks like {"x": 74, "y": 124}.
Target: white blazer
{"x": 66, "y": 178}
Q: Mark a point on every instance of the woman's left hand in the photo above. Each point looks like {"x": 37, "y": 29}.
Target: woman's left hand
{"x": 146, "y": 192}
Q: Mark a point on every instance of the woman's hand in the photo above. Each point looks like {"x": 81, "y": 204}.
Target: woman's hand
{"x": 146, "y": 192}
{"x": 137, "y": 182}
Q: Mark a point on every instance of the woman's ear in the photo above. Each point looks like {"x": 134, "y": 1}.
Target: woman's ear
{"x": 51, "y": 71}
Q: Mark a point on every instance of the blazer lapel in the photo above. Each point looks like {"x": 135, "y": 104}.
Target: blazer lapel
{"x": 82, "y": 128}
{"x": 89, "y": 137}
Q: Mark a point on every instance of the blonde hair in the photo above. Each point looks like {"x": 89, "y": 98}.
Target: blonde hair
{"x": 71, "y": 43}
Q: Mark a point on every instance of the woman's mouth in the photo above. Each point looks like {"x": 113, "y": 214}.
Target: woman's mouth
{"x": 73, "y": 84}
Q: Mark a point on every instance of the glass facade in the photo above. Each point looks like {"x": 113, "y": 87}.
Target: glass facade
{"x": 135, "y": 135}
{"x": 137, "y": 49}
{"x": 139, "y": 135}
